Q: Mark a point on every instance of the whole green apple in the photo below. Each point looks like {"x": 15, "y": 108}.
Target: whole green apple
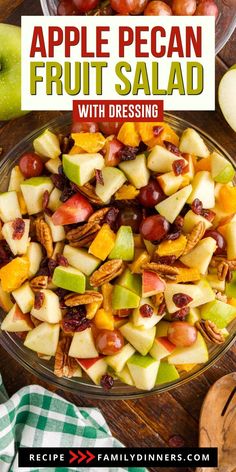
{"x": 10, "y": 72}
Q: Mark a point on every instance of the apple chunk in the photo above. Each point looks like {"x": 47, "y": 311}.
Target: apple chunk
{"x": 201, "y": 255}
{"x": 33, "y": 191}
{"x": 152, "y": 284}
{"x": 75, "y": 210}
{"x": 95, "y": 368}
{"x": 141, "y": 339}
{"x": 171, "y": 207}
{"x": 50, "y": 310}
{"x": 17, "y": 246}
{"x": 143, "y": 370}
{"x": 69, "y": 278}
{"x": 148, "y": 322}
{"x": 166, "y": 373}
{"x": 118, "y": 360}
{"x": 161, "y": 348}
{"x": 16, "y": 321}
{"x": 81, "y": 260}
{"x": 35, "y": 256}
{"x": 195, "y": 354}
{"x": 222, "y": 170}
{"x": 82, "y": 345}
{"x": 124, "y": 245}
{"x": 136, "y": 171}
{"x": 203, "y": 188}
{"x": 9, "y": 206}
{"x": 192, "y": 143}
{"x": 123, "y": 299}
{"x": 226, "y": 95}
{"x": 47, "y": 145}
{"x": 219, "y": 312}
{"x": 80, "y": 168}
{"x": 44, "y": 339}
{"x": 24, "y": 297}
{"x": 161, "y": 160}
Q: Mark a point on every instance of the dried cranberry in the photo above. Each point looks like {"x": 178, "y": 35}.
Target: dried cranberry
{"x": 75, "y": 320}
{"x": 18, "y": 226}
{"x": 58, "y": 181}
{"x": 181, "y": 299}
{"x": 5, "y": 253}
{"x": 146, "y": 311}
{"x": 142, "y": 147}
{"x": 107, "y": 382}
{"x": 157, "y": 130}
{"x": 66, "y": 193}
{"x": 180, "y": 314}
{"x": 162, "y": 308}
{"x": 172, "y": 148}
{"x": 45, "y": 199}
{"x": 52, "y": 264}
{"x": 111, "y": 216}
{"x": 127, "y": 153}
{"x": 99, "y": 177}
{"x": 176, "y": 441}
{"x": 173, "y": 236}
{"x": 179, "y": 222}
{"x": 196, "y": 206}
{"x": 62, "y": 261}
{"x": 178, "y": 166}
{"x": 208, "y": 214}
{"x": 38, "y": 300}
{"x": 167, "y": 260}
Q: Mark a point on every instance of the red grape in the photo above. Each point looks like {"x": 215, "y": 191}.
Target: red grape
{"x": 109, "y": 342}
{"x": 124, "y": 6}
{"x": 86, "y": 127}
{"x": 109, "y": 128}
{"x": 66, "y": 7}
{"x": 151, "y": 194}
{"x": 154, "y": 228}
{"x": 220, "y": 240}
{"x": 130, "y": 216}
{"x": 184, "y": 7}
{"x": 207, "y": 7}
{"x": 31, "y": 165}
{"x": 84, "y": 6}
{"x": 157, "y": 8}
{"x": 182, "y": 334}
{"x": 141, "y": 5}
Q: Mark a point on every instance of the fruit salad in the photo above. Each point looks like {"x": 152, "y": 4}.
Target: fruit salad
{"x": 118, "y": 252}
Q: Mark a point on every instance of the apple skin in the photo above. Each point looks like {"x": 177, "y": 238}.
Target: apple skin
{"x": 75, "y": 210}
{"x": 10, "y": 72}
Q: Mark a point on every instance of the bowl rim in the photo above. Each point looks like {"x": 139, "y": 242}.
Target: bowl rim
{"x": 24, "y": 358}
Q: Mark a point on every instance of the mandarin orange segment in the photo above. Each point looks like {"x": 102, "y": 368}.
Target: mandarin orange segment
{"x": 147, "y": 133}
{"x": 14, "y": 273}
{"x": 203, "y": 164}
{"x": 104, "y": 242}
{"x": 89, "y": 142}
{"x": 104, "y": 320}
{"x": 76, "y": 150}
{"x": 227, "y": 199}
{"x": 128, "y": 135}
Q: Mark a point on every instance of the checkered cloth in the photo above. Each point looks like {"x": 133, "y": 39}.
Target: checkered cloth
{"x": 35, "y": 417}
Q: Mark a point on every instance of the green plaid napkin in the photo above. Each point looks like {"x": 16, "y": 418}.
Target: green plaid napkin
{"x": 35, "y": 417}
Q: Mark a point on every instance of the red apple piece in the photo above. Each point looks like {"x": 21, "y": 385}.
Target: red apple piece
{"x": 112, "y": 148}
{"x": 75, "y": 210}
{"x": 152, "y": 284}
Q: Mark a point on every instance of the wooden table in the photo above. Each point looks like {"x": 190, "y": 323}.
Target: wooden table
{"x": 153, "y": 420}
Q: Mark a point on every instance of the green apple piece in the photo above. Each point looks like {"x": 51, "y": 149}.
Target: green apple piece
{"x": 191, "y": 219}
{"x": 123, "y": 299}
{"x": 44, "y": 338}
{"x": 80, "y": 168}
{"x": 231, "y": 240}
{"x": 94, "y": 368}
{"x": 203, "y": 189}
{"x": 47, "y": 145}
{"x": 57, "y": 231}
{"x": 69, "y": 278}
{"x": 219, "y": 312}
{"x": 24, "y": 297}
{"x": 124, "y": 244}
{"x": 35, "y": 256}
{"x": 215, "y": 283}
{"x": 16, "y": 179}
{"x": 16, "y": 321}
{"x": 33, "y": 190}
{"x": 81, "y": 260}
{"x": 9, "y": 205}
{"x": 131, "y": 281}
{"x": 195, "y": 354}
{"x": 201, "y": 255}
{"x": 170, "y": 183}
{"x": 162, "y": 328}
{"x": 52, "y": 165}
{"x": 161, "y": 160}
{"x": 5, "y": 300}
{"x": 193, "y": 316}
{"x": 50, "y": 310}
{"x": 161, "y": 348}
{"x": 136, "y": 171}
{"x": 226, "y": 95}
{"x": 113, "y": 179}
{"x": 221, "y": 169}
{"x": 146, "y": 323}
{"x": 118, "y": 361}
{"x": 230, "y": 289}
{"x": 192, "y": 143}
{"x": 10, "y": 72}
{"x": 171, "y": 289}
{"x": 143, "y": 370}
{"x": 166, "y": 373}
{"x": 125, "y": 376}
{"x": 171, "y": 207}
{"x": 206, "y": 293}
{"x": 17, "y": 246}
{"x": 54, "y": 199}
{"x": 141, "y": 339}
{"x": 82, "y": 345}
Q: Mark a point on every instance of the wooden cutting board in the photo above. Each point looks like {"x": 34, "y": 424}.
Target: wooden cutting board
{"x": 218, "y": 423}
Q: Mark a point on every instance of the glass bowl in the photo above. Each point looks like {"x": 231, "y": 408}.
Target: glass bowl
{"x": 44, "y": 369}
{"x": 225, "y": 24}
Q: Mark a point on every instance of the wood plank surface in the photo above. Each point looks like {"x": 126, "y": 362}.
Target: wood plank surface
{"x": 153, "y": 420}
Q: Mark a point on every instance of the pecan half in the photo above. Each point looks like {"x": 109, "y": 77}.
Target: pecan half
{"x": 83, "y": 235}
{"x": 89, "y": 192}
{"x": 65, "y": 366}
{"x": 194, "y": 237}
{"x": 98, "y": 216}
{"x": 44, "y": 235}
{"x": 106, "y": 272}
{"x": 75, "y": 299}
{"x": 166, "y": 271}
{"x": 39, "y": 282}
{"x": 210, "y": 331}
